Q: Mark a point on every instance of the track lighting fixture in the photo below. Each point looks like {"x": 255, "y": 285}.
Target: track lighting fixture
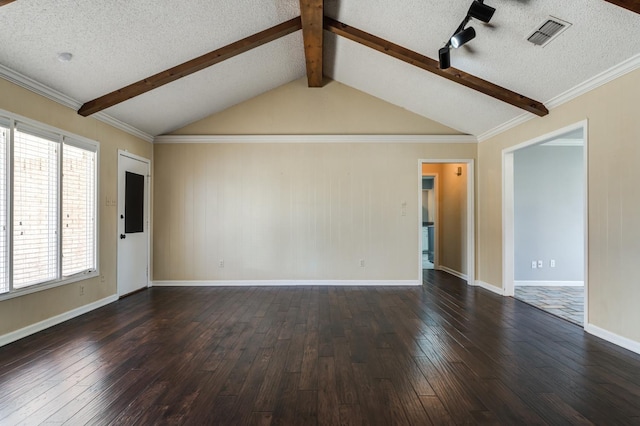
{"x": 462, "y": 37}
{"x": 445, "y": 58}
{"x": 481, "y": 11}
{"x": 478, "y": 10}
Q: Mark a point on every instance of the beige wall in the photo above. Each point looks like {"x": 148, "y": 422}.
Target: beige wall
{"x": 25, "y": 310}
{"x": 289, "y": 211}
{"x": 451, "y": 202}
{"x": 297, "y": 109}
{"x": 613, "y": 203}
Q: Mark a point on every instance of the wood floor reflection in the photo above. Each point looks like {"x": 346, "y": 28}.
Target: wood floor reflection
{"x": 443, "y": 353}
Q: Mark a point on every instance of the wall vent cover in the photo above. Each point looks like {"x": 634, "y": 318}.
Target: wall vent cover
{"x": 547, "y": 31}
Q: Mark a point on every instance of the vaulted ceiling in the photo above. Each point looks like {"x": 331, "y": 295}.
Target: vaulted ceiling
{"x": 158, "y": 65}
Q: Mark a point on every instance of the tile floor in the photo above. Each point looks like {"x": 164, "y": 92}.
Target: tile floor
{"x": 425, "y": 262}
{"x": 565, "y": 302}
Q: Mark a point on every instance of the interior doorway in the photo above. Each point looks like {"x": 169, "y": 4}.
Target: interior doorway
{"x": 429, "y": 218}
{"x": 545, "y": 223}
{"x": 446, "y": 220}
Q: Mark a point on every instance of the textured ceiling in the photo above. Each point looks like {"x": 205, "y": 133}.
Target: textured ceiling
{"x": 118, "y": 42}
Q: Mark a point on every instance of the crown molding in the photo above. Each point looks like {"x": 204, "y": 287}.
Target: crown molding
{"x": 213, "y": 139}
{"x": 565, "y": 142}
{"x": 601, "y": 79}
{"x": 515, "y": 121}
{"x": 49, "y": 93}
{"x": 114, "y": 122}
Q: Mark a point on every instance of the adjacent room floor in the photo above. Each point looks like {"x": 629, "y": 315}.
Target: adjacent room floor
{"x": 566, "y": 302}
{"x": 441, "y": 353}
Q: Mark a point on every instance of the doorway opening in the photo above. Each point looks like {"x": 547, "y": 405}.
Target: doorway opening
{"x": 446, "y": 217}
{"x": 545, "y": 223}
{"x": 429, "y": 214}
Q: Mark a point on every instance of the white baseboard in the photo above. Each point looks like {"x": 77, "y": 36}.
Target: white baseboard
{"x": 453, "y": 272}
{"x": 487, "y": 286}
{"x": 526, "y": 283}
{"x": 276, "y": 283}
{"x": 50, "y": 322}
{"x": 629, "y": 344}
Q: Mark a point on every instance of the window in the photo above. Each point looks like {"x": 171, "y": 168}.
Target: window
{"x": 79, "y": 207}
{"x": 51, "y": 203}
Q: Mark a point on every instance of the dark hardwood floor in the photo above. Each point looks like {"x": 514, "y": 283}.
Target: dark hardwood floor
{"x": 441, "y": 354}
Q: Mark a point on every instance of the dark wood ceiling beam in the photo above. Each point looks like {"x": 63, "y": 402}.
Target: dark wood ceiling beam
{"x": 312, "y": 13}
{"x": 3, "y": 2}
{"x": 632, "y": 5}
{"x": 190, "y": 67}
{"x": 431, "y": 65}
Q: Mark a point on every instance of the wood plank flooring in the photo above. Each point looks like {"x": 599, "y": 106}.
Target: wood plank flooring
{"x": 439, "y": 354}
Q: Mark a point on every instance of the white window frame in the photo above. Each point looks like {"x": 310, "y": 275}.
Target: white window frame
{"x": 63, "y": 137}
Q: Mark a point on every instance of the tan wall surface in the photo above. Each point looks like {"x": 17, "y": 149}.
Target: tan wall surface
{"x": 289, "y": 211}
{"x": 297, "y": 109}
{"x": 613, "y": 201}
{"x": 29, "y": 309}
{"x": 451, "y": 192}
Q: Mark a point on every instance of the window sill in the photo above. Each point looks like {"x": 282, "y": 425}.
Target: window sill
{"x": 48, "y": 285}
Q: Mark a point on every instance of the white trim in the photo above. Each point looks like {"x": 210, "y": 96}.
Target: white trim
{"x": 58, "y": 319}
{"x": 452, "y": 272}
{"x": 213, "y": 139}
{"x": 604, "y": 77}
{"x": 490, "y": 287}
{"x": 277, "y": 283}
{"x": 528, "y": 283}
{"x": 127, "y": 128}
{"x": 510, "y": 124}
{"x": 616, "y": 339}
{"x": 49, "y": 93}
{"x": 565, "y": 142}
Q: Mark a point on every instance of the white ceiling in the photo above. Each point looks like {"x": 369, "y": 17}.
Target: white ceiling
{"x": 118, "y": 42}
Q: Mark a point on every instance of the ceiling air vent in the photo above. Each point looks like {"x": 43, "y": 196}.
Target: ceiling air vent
{"x": 548, "y": 30}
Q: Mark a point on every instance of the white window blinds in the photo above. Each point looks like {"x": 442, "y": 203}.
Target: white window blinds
{"x": 35, "y": 209}
{"x": 4, "y": 140}
{"x": 79, "y": 210}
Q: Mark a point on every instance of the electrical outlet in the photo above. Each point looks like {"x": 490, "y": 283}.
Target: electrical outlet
{"x": 101, "y": 278}
{"x": 552, "y": 263}
{"x": 221, "y": 263}
{"x": 534, "y": 264}
{"x": 403, "y": 210}
{"x": 539, "y": 263}
{"x": 81, "y": 290}
{"x": 362, "y": 263}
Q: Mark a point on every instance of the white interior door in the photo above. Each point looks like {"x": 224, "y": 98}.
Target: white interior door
{"x": 133, "y": 223}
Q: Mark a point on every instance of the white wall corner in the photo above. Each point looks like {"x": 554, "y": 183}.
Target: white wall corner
{"x": 624, "y": 342}
{"x": 13, "y": 336}
{"x": 490, "y": 287}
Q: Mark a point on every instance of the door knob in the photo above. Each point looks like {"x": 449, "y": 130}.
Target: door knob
{"x": 122, "y": 236}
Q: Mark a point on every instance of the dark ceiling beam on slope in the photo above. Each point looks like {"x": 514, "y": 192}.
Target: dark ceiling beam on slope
{"x": 312, "y": 14}
{"x": 3, "y": 2}
{"x": 632, "y": 5}
{"x": 431, "y": 65}
{"x": 190, "y": 67}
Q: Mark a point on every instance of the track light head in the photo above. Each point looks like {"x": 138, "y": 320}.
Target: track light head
{"x": 445, "y": 58}
{"x": 462, "y": 37}
{"x": 481, "y": 11}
